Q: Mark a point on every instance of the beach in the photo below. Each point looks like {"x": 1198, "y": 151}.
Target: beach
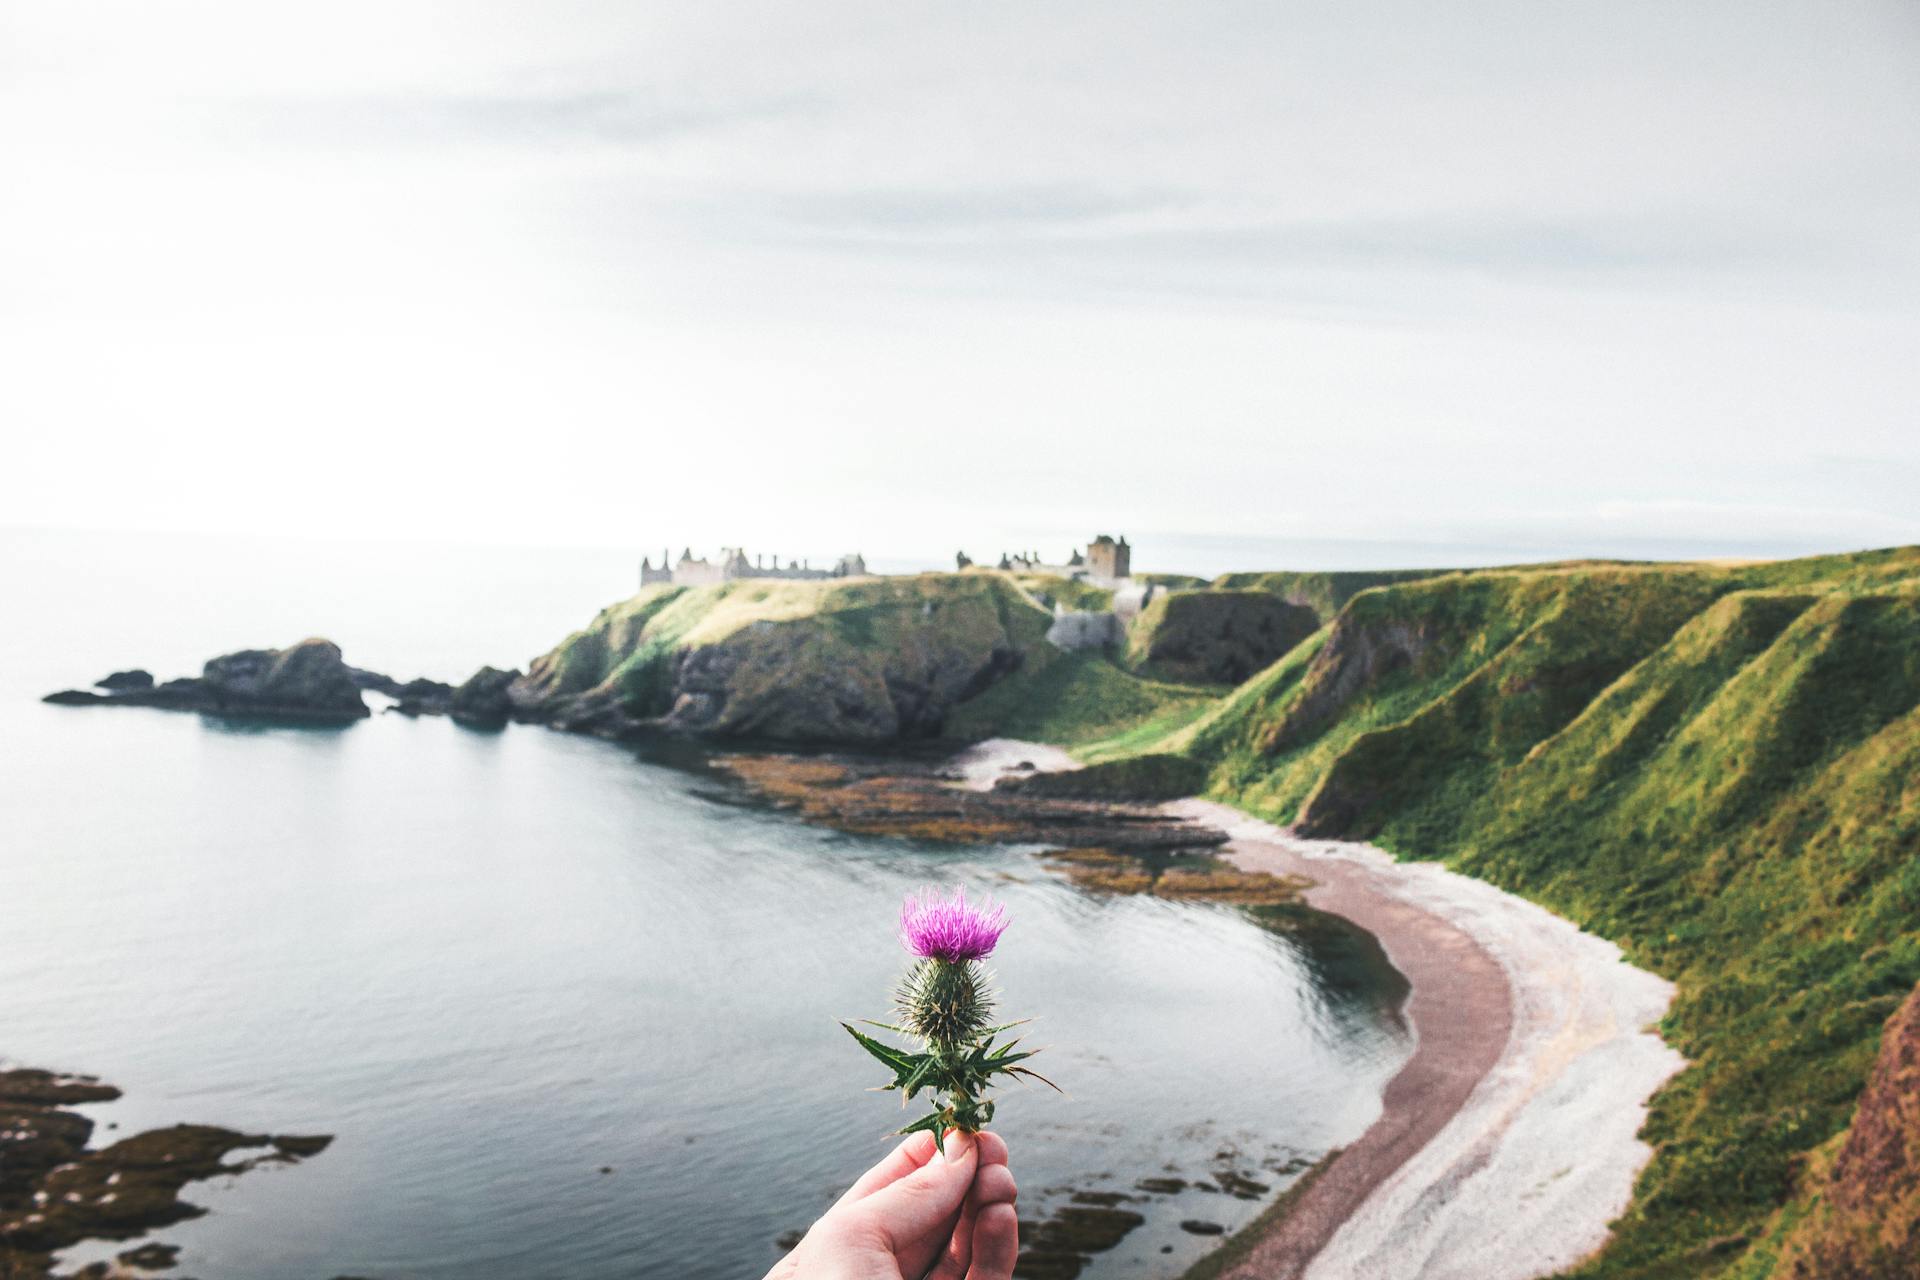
{"x": 1509, "y": 1141}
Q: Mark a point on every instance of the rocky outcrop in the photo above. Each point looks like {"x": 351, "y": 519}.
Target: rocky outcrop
{"x": 1864, "y": 1223}
{"x": 307, "y": 681}
{"x": 1217, "y": 637}
{"x": 485, "y": 700}
{"x": 859, "y": 661}
{"x": 56, "y": 1192}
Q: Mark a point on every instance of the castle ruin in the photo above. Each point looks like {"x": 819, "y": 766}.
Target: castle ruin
{"x": 734, "y": 565}
{"x": 1106, "y": 561}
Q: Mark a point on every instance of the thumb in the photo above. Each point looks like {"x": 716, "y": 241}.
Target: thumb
{"x": 926, "y": 1200}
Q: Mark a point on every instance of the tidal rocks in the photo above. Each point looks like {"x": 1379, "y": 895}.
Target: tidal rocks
{"x": 55, "y": 1192}
{"x": 918, "y": 800}
{"x": 307, "y": 682}
{"x": 420, "y": 697}
{"x": 121, "y": 681}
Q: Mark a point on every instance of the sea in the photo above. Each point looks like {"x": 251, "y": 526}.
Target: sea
{"x": 568, "y": 1008}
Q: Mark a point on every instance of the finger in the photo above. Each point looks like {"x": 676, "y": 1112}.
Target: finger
{"x": 895, "y": 1165}
{"x": 958, "y": 1251}
{"x": 996, "y": 1243}
{"x": 916, "y": 1212}
{"x": 993, "y": 1148}
{"x": 993, "y": 1184}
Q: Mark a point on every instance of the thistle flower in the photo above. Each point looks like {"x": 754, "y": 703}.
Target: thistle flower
{"x": 946, "y": 1003}
{"x": 949, "y": 928}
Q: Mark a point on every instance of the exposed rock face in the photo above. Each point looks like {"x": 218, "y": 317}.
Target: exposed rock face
{"x": 1218, "y": 637}
{"x": 1359, "y": 653}
{"x": 483, "y": 701}
{"x": 309, "y": 676}
{"x": 307, "y": 681}
{"x": 122, "y": 680}
{"x": 857, "y": 662}
{"x": 1865, "y": 1221}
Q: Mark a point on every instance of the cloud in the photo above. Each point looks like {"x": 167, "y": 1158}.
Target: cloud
{"x": 587, "y": 117}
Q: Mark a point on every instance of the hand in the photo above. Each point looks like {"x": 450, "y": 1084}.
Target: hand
{"x": 918, "y": 1214}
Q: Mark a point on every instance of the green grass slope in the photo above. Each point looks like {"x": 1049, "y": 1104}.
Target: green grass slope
{"x": 1714, "y": 765}
{"x": 1326, "y": 593}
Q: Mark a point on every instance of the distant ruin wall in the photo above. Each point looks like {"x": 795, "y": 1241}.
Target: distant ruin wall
{"x": 1085, "y": 631}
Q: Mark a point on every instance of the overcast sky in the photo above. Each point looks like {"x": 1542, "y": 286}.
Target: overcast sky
{"x": 1398, "y": 282}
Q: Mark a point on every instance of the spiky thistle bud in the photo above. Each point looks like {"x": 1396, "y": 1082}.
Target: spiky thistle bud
{"x": 945, "y": 1003}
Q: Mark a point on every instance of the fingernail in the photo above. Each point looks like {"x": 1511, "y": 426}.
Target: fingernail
{"x": 958, "y": 1144}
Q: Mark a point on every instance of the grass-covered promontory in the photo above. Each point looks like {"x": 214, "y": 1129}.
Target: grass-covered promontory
{"x": 1717, "y": 766}
{"x": 851, "y": 661}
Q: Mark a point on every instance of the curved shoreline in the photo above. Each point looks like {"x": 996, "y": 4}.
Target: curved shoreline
{"x": 1529, "y": 1044}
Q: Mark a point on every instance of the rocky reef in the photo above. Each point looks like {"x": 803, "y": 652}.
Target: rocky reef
{"x": 482, "y": 701}
{"x": 307, "y": 681}
{"x": 55, "y": 1191}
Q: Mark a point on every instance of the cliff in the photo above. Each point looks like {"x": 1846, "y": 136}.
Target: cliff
{"x": 860, "y": 661}
{"x": 1862, "y": 1220}
{"x": 1712, "y": 765}
{"x": 1216, "y": 637}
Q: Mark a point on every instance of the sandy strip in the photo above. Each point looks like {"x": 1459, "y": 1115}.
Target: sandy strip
{"x": 985, "y": 763}
{"x": 1508, "y": 1141}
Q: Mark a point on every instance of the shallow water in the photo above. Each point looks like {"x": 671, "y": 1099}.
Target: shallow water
{"x": 493, "y": 964}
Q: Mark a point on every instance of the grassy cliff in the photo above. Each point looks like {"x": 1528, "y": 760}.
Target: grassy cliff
{"x": 857, "y": 661}
{"x": 1215, "y": 637}
{"x": 1326, "y": 593}
{"x": 1715, "y": 766}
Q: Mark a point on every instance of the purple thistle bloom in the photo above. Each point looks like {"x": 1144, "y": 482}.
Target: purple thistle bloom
{"x": 948, "y": 928}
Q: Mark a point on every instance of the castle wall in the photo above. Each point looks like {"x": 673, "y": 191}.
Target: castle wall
{"x": 1071, "y": 630}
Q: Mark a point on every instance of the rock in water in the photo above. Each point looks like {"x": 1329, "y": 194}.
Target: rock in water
{"x": 482, "y": 702}
{"x": 309, "y": 677}
{"x": 307, "y": 681}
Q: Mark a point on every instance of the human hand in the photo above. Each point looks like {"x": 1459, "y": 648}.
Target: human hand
{"x": 918, "y": 1214}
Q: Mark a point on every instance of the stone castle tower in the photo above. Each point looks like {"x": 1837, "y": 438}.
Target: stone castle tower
{"x": 1108, "y": 559}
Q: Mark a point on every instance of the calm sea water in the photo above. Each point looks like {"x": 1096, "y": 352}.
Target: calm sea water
{"x": 493, "y": 964}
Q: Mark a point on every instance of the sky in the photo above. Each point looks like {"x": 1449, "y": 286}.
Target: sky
{"x": 1255, "y": 284}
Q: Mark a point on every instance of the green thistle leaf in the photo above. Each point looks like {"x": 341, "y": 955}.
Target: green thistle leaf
{"x": 903, "y": 1064}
